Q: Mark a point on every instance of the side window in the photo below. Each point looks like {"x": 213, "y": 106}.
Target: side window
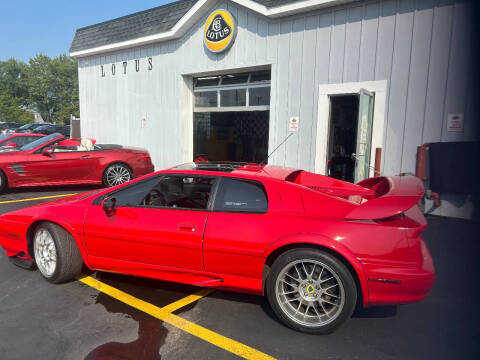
{"x": 134, "y": 195}
{"x": 235, "y": 195}
{"x": 15, "y": 140}
{"x": 180, "y": 192}
{"x": 23, "y": 140}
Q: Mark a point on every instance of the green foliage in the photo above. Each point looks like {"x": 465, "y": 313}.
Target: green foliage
{"x": 46, "y": 85}
{"x": 13, "y": 91}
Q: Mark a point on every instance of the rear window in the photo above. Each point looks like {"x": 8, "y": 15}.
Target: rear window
{"x": 235, "y": 195}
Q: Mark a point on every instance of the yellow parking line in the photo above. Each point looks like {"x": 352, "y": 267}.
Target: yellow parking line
{"x": 37, "y": 198}
{"x": 165, "y": 314}
{"x": 187, "y": 300}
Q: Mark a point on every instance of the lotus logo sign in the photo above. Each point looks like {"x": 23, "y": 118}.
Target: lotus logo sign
{"x": 220, "y": 31}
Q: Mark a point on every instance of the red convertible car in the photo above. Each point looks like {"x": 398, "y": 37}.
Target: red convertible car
{"x": 47, "y": 161}
{"x": 316, "y": 246}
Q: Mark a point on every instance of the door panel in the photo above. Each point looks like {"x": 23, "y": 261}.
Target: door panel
{"x": 364, "y": 135}
{"x": 234, "y": 242}
{"x": 156, "y": 236}
{"x": 240, "y": 228}
{"x": 60, "y": 167}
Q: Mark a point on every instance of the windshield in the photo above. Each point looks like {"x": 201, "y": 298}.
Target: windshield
{"x": 26, "y": 126}
{"x": 4, "y": 136}
{"x": 41, "y": 141}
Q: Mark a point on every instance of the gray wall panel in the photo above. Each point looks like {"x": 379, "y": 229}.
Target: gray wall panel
{"x": 283, "y": 91}
{"x": 368, "y": 43}
{"x": 438, "y": 70}
{"x": 307, "y": 94}
{"x": 398, "y": 87}
{"x": 417, "y": 84}
{"x": 459, "y": 72}
{"x": 352, "y": 44}
{"x": 296, "y": 70}
{"x": 337, "y": 51}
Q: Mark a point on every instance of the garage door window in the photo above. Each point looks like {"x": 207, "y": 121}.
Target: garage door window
{"x": 248, "y": 91}
{"x": 244, "y": 196}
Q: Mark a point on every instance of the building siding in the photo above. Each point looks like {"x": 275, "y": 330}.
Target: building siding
{"x": 420, "y": 47}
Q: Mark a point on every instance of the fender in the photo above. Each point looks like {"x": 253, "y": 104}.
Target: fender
{"x": 61, "y": 221}
{"x": 324, "y": 241}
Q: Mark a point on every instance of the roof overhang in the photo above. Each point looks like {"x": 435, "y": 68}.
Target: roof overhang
{"x": 198, "y": 10}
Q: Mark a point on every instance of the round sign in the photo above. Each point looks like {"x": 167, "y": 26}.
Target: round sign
{"x": 220, "y": 31}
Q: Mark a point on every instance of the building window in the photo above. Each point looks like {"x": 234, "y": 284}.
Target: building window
{"x": 235, "y": 97}
{"x": 206, "y": 99}
{"x": 247, "y": 91}
{"x": 259, "y": 96}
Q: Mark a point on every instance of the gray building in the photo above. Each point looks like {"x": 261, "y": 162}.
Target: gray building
{"x": 186, "y": 81}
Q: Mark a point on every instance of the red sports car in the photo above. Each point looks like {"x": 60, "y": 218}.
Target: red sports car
{"x": 46, "y": 162}
{"x": 17, "y": 140}
{"x": 314, "y": 245}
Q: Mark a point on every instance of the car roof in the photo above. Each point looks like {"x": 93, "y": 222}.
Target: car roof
{"x": 237, "y": 168}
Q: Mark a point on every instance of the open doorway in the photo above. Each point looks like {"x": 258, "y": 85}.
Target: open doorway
{"x": 350, "y": 136}
{"x": 342, "y": 141}
{"x": 231, "y": 136}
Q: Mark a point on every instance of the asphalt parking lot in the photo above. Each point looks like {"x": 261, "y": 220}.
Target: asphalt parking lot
{"x": 109, "y": 316}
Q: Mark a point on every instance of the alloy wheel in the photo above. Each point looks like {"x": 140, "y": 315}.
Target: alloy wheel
{"x": 310, "y": 293}
{"x": 117, "y": 174}
{"x": 45, "y": 252}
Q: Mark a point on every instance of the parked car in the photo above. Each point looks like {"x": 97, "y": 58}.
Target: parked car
{"x": 51, "y": 128}
{"x": 64, "y": 130}
{"x": 14, "y": 141}
{"x": 45, "y": 162}
{"x": 28, "y": 128}
{"x": 46, "y": 129}
{"x": 315, "y": 246}
{"x": 6, "y": 126}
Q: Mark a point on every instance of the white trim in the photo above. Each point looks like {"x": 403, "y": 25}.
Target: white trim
{"x": 186, "y": 118}
{"x": 323, "y": 122}
{"x": 197, "y": 11}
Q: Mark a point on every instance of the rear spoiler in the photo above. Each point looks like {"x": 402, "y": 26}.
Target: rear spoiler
{"x": 392, "y": 196}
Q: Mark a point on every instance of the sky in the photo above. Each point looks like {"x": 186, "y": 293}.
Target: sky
{"x": 30, "y": 27}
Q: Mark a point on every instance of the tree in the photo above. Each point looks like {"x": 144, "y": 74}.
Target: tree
{"x": 53, "y": 87}
{"x": 13, "y": 91}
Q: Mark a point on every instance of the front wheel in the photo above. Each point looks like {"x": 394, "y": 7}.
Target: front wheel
{"x": 116, "y": 174}
{"x": 311, "y": 291}
{"x": 56, "y": 253}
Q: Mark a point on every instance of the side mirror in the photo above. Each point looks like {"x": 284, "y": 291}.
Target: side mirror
{"x": 109, "y": 205}
{"x": 48, "y": 151}
{"x": 11, "y": 145}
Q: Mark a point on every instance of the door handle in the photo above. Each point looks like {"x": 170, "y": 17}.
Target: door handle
{"x": 186, "y": 228}
{"x": 85, "y": 157}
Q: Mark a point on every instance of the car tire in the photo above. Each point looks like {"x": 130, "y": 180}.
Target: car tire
{"x": 3, "y": 182}
{"x": 56, "y": 253}
{"x": 116, "y": 174}
{"x": 311, "y": 291}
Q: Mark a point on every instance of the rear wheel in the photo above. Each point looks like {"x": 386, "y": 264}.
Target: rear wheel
{"x": 116, "y": 174}
{"x": 56, "y": 253}
{"x": 311, "y": 291}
